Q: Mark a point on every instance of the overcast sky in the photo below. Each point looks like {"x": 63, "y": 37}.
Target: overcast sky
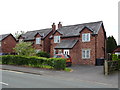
{"x": 27, "y": 15}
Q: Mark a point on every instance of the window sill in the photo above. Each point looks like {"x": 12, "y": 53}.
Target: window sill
{"x": 85, "y": 41}
{"x": 85, "y": 58}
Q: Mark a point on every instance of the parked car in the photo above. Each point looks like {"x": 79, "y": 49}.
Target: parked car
{"x": 67, "y": 57}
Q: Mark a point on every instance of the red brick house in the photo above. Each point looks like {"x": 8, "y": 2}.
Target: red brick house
{"x": 83, "y": 42}
{"x": 39, "y": 38}
{"x": 7, "y": 43}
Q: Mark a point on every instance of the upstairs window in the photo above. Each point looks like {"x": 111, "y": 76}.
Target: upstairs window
{"x": 56, "y": 39}
{"x": 85, "y": 37}
{"x": 38, "y": 40}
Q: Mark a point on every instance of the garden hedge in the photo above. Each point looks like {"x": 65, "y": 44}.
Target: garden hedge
{"x": 55, "y": 63}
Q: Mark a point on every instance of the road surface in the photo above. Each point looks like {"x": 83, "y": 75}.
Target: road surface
{"x": 12, "y": 79}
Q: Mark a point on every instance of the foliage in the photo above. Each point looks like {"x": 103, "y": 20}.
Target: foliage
{"x": 114, "y": 57}
{"x": 57, "y": 63}
{"x": 24, "y": 48}
{"x": 43, "y": 54}
{"x": 34, "y": 61}
{"x": 111, "y": 44}
{"x": 17, "y": 34}
{"x": 68, "y": 69}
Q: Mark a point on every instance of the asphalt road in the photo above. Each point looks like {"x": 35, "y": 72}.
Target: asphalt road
{"x": 12, "y": 79}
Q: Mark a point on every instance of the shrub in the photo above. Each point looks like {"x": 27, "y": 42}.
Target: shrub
{"x": 22, "y": 60}
{"x": 55, "y": 63}
{"x": 43, "y": 54}
{"x": 114, "y": 57}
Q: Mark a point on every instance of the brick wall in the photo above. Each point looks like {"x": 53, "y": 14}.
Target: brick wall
{"x": 8, "y": 44}
{"x": 87, "y": 45}
{"x": 100, "y": 51}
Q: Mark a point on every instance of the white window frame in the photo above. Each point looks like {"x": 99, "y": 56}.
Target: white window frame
{"x": 86, "y": 37}
{"x": 38, "y": 40}
{"x": 56, "y": 39}
{"x": 86, "y": 53}
{"x": 66, "y": 51}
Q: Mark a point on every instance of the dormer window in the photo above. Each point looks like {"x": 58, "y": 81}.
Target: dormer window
{"x": 85, "y": 37}
{"x": 38, "y": 40}
{"x": 56, "y": 39}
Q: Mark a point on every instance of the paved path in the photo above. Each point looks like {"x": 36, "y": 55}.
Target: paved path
{"x": 82, "y": 73}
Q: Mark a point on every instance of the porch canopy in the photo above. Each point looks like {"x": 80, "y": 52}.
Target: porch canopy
{"x": 66, "y": 44}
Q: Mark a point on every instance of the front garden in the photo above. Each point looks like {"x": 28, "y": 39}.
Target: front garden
{"x": 34, "y": 61}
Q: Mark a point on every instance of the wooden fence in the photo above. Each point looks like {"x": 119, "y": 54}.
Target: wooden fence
{"x": 110, "y": 66}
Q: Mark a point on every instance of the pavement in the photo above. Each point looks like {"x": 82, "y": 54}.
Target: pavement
{"x": 80, "y": 72}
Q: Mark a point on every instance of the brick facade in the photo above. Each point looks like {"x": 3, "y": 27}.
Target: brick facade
{"x": 44, "y": 42}
{"x": 7, "y": 44}
{"x": 97, "y": 46}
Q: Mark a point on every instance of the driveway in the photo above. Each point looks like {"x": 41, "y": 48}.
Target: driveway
{"x": 92, "y": 74}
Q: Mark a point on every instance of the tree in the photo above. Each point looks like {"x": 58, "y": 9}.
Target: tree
{"x": 111, "y": 44}
{"x": 17, "y": 34}
{"x": 24, "y": 48}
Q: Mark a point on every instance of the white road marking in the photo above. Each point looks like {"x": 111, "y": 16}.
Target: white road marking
{"x": 14, "y": 71}
{"x": 4, "y": 83}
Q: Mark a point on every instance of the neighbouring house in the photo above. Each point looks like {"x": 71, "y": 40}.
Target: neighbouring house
{"x": 39, "y": 39}
{"x": 7, "y": 43}
{"x": 117, "y": 50}
{"x": 85, "y": 43}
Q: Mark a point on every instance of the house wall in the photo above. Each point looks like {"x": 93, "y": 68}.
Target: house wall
{"x": 75, "y": 53}
{"x": 100, "y": 51}
{"x": 87, "y": 45}
{"x": 38, "y": 46}
{"x": 53, "y": 44}
{"x": 96, "y": 45}
{"x": 47, "y": 43}
{"x": 8, "y": 44}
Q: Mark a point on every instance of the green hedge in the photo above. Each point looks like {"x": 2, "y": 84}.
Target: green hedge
{"x": 43, "y": 54}
{"x": 55, "y": 63}
{"x": 114, "y": 57}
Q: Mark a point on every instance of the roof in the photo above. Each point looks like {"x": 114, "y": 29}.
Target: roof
{"x": 30, "y": 35}
{"x": 117, "y": 49}
{"x": 74, "y": 30}
{"x": 66, "y": 44}
{"x": 3, "y": 36}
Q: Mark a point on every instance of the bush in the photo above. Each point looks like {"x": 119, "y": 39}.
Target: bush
{"x": 43, "y": 54}
{"x": 22, "y": 60}
{"x": 55, "y": 63}
{"x": 114, "y": 57}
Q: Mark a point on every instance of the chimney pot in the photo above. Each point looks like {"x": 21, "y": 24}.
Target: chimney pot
{"x": 59, "y": 25}
{"x": 53, "y": 27}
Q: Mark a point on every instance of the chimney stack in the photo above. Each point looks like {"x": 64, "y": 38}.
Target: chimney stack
{"x": 53, "y": 27}
{"x": 59, "y": 25}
